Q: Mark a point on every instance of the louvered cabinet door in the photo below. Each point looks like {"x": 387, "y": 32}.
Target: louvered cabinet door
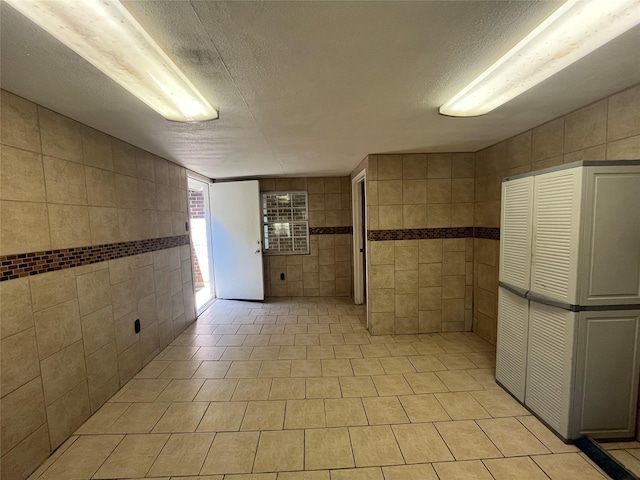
{"x": 515, "y": 232}
{"x": 549, "y": 364}
{"x": 556, "y": 228}
{"x": 511, "y": 348}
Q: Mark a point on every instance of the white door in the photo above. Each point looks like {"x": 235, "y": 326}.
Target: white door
{"x": 237, "y": 245}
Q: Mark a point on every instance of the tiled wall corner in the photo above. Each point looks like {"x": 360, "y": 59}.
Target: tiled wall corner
{"x": 420, "y": 286}
{"x": 606, "y": 130}
{"x": 67, "y": 337}
{"x": 486, "y": 253}
{"x": 68, "y": 342}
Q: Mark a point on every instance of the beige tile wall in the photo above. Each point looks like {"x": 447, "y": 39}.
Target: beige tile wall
{"x": 420, "y": 191}
{"x": 419, "y": 286}
{"x": 606, "y": 130}
{"x": 63, "y": 184}
{"x": 449, "y": 190}
{"x": 67, "y": 337}
{"x": 327, "y": 270}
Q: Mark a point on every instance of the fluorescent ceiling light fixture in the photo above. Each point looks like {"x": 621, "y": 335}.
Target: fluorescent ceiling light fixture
{"x": 573, "y": 31}
{"x": 105, "y": 34}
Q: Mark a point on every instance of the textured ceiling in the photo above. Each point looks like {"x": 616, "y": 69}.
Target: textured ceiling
{"x": 310, "y": 88}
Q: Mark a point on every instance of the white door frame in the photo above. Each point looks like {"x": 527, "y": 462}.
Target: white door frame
{"x": 206, "y": 183}
{"x": 358, "y": 242}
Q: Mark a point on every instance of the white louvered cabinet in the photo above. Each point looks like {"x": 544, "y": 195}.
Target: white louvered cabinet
{"x": 606, "y": 373}
{"x": 556, "y": 223}
{"x": 569, "y": 297}
{"x": 549, "y": 365}
{"x": 511, "y": 355}
{"x": 609, "y": 270}
{"x": 585, "y": 246}
{"x": 516, "y": 228}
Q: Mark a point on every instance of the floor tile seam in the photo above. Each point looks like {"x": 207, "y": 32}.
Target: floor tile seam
{"x": 484, "y": 460}
{"x": 237, "y": 381}
{"x": 481, "y": 460}
{"x": 390, "y": 427}
{"x": 107, "y": 457}
{"x": 397, "y": 397}
{"x": 203, "y": 413}
{"x": 366, "y": 413}
{"x": 496, "y": 445}
{"x": 395, "y": 435}
{"x": 353, "y": 455}
{"x": 517, "y": 417}
{"x": 628, "y": 450}
{"x": 238, "y": 384}
{"x": 168, "y": 404}
{"x": 122, "y": 390}
{"x": 171, "y": 404}
{"x": 533, "y": 457}
{"x": 246, "y": 402}
{"x": 58, "y": 453}
{"x": 180, "y": 378}
{"x": 473, "y": 392}
{"x": 204, "y": 460}
{"x": 114, "y": 421}
{"x": 156, "y": 458}
{"x": 631, "y": 464}
{"x": 265, "y": 429}
{"x": 488, "y": 437}
{"x": 400, "y": 397}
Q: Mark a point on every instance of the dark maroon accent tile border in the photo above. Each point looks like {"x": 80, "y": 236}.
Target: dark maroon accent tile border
{"x": 489, "y": 233}
{"x": 330, "y": 230}
{"x": 426, "y": 233}
{"x": 419, "y": 233}
{"x": 27, "y": 264}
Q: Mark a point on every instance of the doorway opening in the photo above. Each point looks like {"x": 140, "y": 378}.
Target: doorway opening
{"x": 358, "y": 194}
{"x": 201, "y": 244}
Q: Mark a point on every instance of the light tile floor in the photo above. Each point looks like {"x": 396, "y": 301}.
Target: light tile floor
{"x": 626, "y": 453}
{"x": 298, "y": 390}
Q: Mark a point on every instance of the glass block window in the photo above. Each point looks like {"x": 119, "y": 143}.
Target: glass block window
{"x": 285, "y": 221}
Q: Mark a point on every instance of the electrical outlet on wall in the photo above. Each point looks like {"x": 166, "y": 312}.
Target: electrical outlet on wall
{"x": 282, "y": 276}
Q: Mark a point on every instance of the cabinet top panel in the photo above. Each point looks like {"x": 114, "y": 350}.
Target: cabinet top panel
{"x": 582, "y": 163}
